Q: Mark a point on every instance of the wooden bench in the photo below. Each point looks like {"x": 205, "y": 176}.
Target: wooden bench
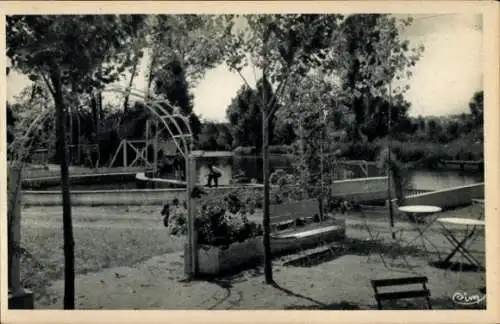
{"x": 289, "y": 216}
{"x": 297, "y": 226}
{"x": 395, "y": 295}
{"x": 311, "y": 232}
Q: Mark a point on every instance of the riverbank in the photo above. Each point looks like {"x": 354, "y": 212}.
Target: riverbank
{"x": 414, "y": 150}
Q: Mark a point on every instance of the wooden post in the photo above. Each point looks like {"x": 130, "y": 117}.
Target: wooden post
{"x": 14, "y": 227}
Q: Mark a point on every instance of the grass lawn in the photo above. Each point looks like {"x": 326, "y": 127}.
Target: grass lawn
{"x": 104, "y": 237}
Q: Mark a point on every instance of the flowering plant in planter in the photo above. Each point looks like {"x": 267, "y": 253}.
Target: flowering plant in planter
{"x": 223, "y": 224}
{"x": 218, "y": 223}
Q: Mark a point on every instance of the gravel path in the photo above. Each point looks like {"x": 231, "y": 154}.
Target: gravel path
{"x": 343, "y": 283}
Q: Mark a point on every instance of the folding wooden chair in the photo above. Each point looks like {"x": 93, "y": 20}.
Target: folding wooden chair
{"x": 395, "y": 295}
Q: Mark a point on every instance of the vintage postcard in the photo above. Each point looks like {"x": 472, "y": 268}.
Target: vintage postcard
{"x": 296, "y": 161}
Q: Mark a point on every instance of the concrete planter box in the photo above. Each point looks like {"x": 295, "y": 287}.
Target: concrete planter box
{"x": 215, "y": 260}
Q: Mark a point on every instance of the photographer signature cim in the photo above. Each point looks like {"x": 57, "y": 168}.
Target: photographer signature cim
{"x": 463, "y": 298}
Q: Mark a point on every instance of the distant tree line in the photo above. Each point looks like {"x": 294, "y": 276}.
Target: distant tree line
{"x": 244, "y": 128}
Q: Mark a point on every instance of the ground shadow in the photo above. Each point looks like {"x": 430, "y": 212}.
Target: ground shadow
{"x": 456, "y": 266}
{"x": 342, "y": 305}
{"x": 358, "y": 247}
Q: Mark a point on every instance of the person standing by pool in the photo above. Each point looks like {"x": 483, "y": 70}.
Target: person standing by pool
{"x": 213, "y": 174}
{"x": 167, "y": 167}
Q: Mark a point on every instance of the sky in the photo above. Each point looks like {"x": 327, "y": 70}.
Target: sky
{"x": 444, "y": 79}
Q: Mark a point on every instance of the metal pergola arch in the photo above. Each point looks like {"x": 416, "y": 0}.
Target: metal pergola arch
{"x": 190, "y": 168}
{"x": 24, "y": 138}
{"x": 14, "y": 170}
{"x": 152, "y": 105}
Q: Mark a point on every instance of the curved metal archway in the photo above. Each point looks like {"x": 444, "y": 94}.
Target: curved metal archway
{"x": 19, "y": 152}
{"x": 163, "y": 116}
{"x": 20, "y": 141}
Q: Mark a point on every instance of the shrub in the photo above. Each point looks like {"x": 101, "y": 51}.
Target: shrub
{"x": 218, "y": 226}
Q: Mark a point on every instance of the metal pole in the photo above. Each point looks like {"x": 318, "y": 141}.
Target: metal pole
{"x": 191, "y": 205}
{"x": 155, "y": 157}
{"x": 322, "y": 167}
{"x": 189, "y": 258}
{"x": 302, "y": 159}
{"x": 389, "y": 178}
{"x": 147, "y": 142}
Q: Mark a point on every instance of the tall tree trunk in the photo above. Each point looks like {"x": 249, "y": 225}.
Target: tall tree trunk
{"x": 266, "y": 221}
{"x": 132, "y": 77}
{"x": 93, "y": 107}
{"x": 14, "y": 225}
{"x": 151, "y": 74}
{"x": 100, "y": 111}
{"x": 266, "y": 217}
{"x": 69, "y": 244}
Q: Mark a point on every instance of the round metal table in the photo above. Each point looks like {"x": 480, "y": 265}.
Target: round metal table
{"x": 415, "y": 212}
{"x": 418, "y": 215}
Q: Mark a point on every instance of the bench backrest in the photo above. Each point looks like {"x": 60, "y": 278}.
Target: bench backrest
{"x": 293, "y": 210}
{"x": 394, "y": 295}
